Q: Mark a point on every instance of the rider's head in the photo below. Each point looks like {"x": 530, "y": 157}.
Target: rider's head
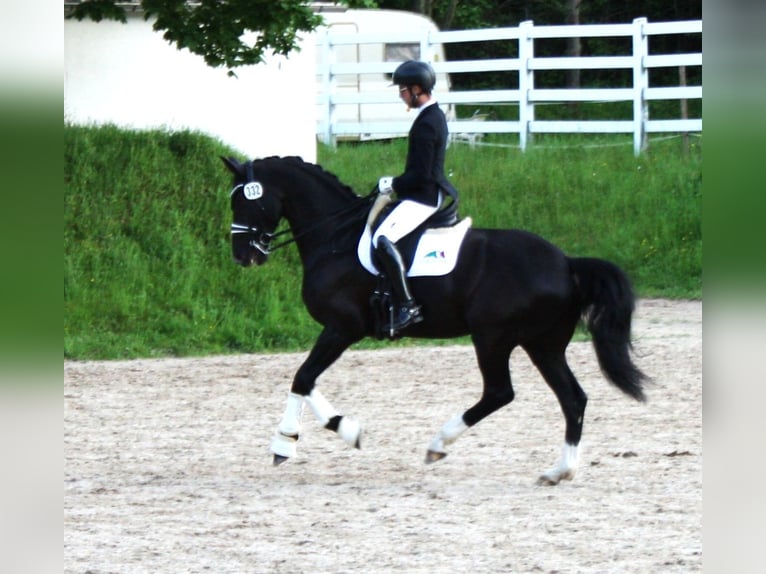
{"x": 416, "y": 81}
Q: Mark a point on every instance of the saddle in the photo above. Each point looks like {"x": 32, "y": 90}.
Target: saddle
{"x": 429, "y": 250}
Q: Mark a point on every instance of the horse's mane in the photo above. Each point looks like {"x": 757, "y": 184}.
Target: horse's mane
{"x": 329, "y": 178}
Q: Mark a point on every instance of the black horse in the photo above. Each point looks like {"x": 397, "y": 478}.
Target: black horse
{"x": 509, "y": 288}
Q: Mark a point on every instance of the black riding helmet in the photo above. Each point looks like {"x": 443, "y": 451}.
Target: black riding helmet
{"x": 413, "y": 72}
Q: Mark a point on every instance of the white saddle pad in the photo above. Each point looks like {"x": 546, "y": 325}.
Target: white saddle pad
{"x": 436, "y": 253}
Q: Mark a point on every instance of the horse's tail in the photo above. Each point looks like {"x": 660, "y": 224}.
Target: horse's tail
{"x": 607, "y": 305}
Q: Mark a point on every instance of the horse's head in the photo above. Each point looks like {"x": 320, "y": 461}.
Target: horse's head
{"x": 256, "y": 211}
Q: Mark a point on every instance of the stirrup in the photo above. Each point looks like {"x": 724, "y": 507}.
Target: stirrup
{"x": 407, "y": 315}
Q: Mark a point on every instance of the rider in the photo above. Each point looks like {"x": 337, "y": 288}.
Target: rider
{"x": 421, "y": 188}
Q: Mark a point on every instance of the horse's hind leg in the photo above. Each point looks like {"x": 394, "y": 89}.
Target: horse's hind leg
{"x": 553, "y": 366}
{"x": 493, "y": 360}
{"x": 327, "y": 349}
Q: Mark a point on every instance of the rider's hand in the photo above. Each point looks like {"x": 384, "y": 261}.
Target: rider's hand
{"x": 385, "y": 184}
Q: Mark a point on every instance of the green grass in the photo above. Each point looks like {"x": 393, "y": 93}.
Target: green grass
{"x": 147, "y": 262}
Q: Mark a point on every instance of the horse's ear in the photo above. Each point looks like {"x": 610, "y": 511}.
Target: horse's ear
{"x": 232, "y": 164}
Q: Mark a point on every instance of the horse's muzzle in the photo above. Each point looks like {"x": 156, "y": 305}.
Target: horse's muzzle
{"x": 249, "y": 244}
{"x": 246, "y": 254}
{"x": 243, "y": 262}
{"x": 250, "y": 257}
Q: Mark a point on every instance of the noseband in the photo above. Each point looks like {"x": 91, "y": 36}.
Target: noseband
{"x": 259, "y": 239}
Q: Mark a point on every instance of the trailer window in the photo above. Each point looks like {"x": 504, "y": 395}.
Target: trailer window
{"x": 401, "y": 52}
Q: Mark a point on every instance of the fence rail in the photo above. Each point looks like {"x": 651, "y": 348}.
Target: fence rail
{"x": 527, "y": 97}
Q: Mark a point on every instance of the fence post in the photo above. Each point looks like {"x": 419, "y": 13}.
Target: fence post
{"x": 327, "y": 59}
{"x": 640, "y": 85}
{"x": 526, "y": 82}
{"x": 425, "y": 49}
{"x": 684, "y": 105}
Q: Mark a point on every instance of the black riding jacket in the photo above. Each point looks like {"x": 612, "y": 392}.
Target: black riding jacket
{"x": 423, "y": 175}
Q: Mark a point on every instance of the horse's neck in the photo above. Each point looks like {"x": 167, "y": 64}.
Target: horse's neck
{"x": 312, "y": 202}
{"x": 319, "y": 218}
{"x": 306, "y": 208}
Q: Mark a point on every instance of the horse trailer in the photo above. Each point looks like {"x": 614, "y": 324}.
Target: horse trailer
{"x": 380, "y": 40}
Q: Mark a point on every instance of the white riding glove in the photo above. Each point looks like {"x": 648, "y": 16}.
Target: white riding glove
{"x": 385, "y": 184}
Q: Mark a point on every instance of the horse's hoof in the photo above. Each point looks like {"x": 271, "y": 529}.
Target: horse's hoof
{"x": 279, "y": 459}
{"x": 546, "y": 481}
{"x": 283, "y": 446}
{"x": 434, "y": 456}
{"x": 554, "y": 478}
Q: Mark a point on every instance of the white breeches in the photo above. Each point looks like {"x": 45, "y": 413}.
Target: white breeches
{"x": 404, "y": 219}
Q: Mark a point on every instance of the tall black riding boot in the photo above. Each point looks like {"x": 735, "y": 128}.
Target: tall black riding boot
{"x": 406, "y": 311}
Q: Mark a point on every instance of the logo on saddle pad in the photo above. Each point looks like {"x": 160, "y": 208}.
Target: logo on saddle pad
{"x": 436, "y": 253}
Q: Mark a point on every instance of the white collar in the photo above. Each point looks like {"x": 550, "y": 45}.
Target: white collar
{"x": 430, "y": 102}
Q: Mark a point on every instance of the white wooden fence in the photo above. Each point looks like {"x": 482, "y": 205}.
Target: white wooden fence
{"x": 641, "y": 62}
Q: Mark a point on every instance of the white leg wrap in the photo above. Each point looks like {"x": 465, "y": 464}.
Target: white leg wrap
{"x": 285, "y": 440}
{"x": 350, "y": 431}
{"x": 284, "y": 445}
{"x": 570, "y": 456}
{"x": 566, "y": 466}
{"x": 291, "y": 420}
{"x": 448, "y": 434}
{"x": 320, "y": 406}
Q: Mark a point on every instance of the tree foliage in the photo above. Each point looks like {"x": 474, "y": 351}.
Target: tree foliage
{"x": 218, "y": 30}
{"x": 465, "y": 14}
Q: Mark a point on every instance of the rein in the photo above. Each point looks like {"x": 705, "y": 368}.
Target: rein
{"x": 262, "y": 239}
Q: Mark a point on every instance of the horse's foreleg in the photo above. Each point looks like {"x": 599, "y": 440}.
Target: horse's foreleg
{"x": 284, "y": 442}
{"x": 553, "y": 366}
{"x": 347, "y": 428}
{"x": 327, "y": 349}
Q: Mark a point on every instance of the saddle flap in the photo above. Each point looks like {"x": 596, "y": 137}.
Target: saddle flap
{"x": 434, "y": 253}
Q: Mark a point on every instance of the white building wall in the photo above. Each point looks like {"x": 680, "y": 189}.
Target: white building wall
{"x": 128, "y": 75}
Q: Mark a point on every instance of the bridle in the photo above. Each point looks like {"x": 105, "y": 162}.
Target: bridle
{"x": 261, "y": 239}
